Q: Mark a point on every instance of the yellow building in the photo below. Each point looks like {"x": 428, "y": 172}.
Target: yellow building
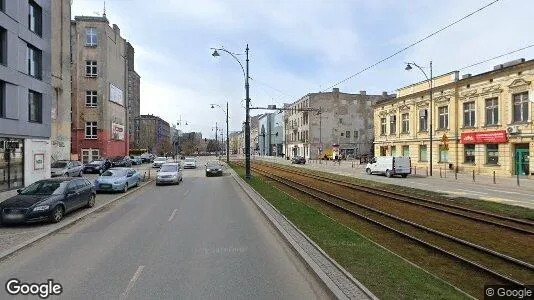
{"x": 481, "y": 122}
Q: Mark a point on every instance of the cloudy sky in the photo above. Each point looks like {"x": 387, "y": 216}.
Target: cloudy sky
{"x": 300, "y": 46}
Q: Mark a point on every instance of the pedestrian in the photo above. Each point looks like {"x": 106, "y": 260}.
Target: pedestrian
{"x": 107, "y": 164}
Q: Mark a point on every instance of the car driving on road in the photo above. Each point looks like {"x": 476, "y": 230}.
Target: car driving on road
{"x": 169, "y": 173}
{"x": 96, "y": 166}
{"x": 66, "y": 168}
{"x": 48, "y": 199}
{"x": 190, "y": 163}
{"x": 298, "y": 160}
{"x": 159, "y": 161}
{"x": 213, "y": 168}
{"x": 117, "y": 179}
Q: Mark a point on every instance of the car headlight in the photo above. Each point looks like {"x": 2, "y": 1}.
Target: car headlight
{"x": 208, "y": 170}
{"x": 117, "y": 182}
{"x": 41, "y": 208}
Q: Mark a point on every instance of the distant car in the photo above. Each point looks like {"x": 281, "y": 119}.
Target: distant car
{"x": 145, "y": 158}
{"x": 169, "y": 173}
{"x": 159, "y": 161}
{"x": 121, "y": 161}
{"x": 117, "y": 179}
{"x": 136, "y": 160}
{"x": 48, "y": 199}
{"x": 390, "y": 166}
{"x": 96, "y": 166}
{"x": 214, "y": 168}
{"x": 190, "y": 163}
{"x": 298, "y": 160}
{"x": 66, "y": 168}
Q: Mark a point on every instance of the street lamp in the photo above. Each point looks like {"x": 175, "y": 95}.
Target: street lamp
{"x": 180, "y": 123}
{"x": 408, "y": 68}
{"x": 247, "y": 108}
{"x": 227, "y": 136}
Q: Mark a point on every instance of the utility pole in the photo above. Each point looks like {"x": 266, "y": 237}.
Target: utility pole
{"x": 227, "y": 136}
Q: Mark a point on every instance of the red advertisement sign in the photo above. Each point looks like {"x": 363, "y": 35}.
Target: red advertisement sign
{"x": 486, "y": 137}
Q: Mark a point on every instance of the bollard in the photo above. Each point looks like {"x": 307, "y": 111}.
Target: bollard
{"x": 440, "y": 173}
{"x": 353, "y": 165}
{"x": 517, "y": 178}
{"x": 494, "y": 182}
{"x": 445, "y": 171}
{"x": 473, "y": 175}
{"x": 148, "y": 174}
{"x": 426, "y": 171}
{"x": 415, "y": 170}
{"x": 456, "y": 175}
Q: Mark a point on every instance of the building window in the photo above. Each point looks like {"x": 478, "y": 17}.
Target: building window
{"x": 406, "y": 150}
{"x": 469, "y": 154}
{"x": 342, "y": 134}
{"x": 492, "y": 154}
{"x": 443, "y": 154}
{"x": 3, "y": 46}
{"x": 35, "y": 107}
{"x": 422, "y": 153}
{"x": 393, "y": 150}
{"x": 91, "y": 130}
{"x": 382, "y": 126}
{"x": 355, "y": 134}
{"x": 90, "y": 36}
{"x": 443, "y": 117}
{"x": 15, "y": 158}
{"x": 35, "y": 18}
{"x": 91, "y": 99}
{"x": 91, "y": 69}
{"x": 2, "y": 99}
{"x": 423, "y": 120}
{"x": 469, "y": 114}
{"x": 521, "y": 107}
{"x": 492, "y": 111}
{"x": 392, "y": 124}
{"x": 405, "y": 123}
{"x": 347, "y": 134}
{"x": 34, "y": 56}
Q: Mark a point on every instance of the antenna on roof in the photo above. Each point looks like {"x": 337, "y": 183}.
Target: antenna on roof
{"x": 104, "y": 14}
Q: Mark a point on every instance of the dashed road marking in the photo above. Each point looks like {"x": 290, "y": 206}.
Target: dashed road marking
{"x": 131, "y": 284}
{"x": 172, "y": 215}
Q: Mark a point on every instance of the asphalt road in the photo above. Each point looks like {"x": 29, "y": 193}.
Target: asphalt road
{"x": 202, "y": 239}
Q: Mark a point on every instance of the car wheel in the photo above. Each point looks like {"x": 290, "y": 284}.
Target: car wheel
{"x": 207, "y": 174}
{"x": 404, "y": 175}
{"x": 100, "y": 172}
{"x": 66, "y": 174}
{"x": 57, "y": 214}
{"x": 80, "y": 174}
{"x": 388, "y": 173}
{"x": 92, "y": 201}
{"x": 368, "y": 171}
{"x": 137, "y": 183}
{"x": 125, "y": 189}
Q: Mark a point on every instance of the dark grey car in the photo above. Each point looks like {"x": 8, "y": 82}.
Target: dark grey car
{"x": 214, "y": 168}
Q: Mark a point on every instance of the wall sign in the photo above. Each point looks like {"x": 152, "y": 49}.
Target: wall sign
{"x": 116, "y": 95}
{"x": 486, "y": 137}
{"x": 117, "y": 131}
{"x": 38, "y": 161}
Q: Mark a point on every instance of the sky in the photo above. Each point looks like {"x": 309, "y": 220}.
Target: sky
{"x": 299, "y": 47}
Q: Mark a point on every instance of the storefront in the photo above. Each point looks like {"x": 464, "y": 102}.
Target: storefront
{"x": 486, "y": 152}
{"x": 11, "y": 163}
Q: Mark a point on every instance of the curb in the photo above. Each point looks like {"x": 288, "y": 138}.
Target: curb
{"x": 4, "y": 255}
{"x": 305, "y": 257}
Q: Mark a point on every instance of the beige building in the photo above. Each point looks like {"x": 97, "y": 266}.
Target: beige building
{"x": 61, "y": 81}
{"x": 99, "y": 89}
{"x": 481, "y": 122}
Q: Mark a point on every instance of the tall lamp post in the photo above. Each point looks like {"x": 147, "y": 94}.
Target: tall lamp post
{"x": 431, "y": 108}
{"x": 247, "y": 101}
{"x": 180, "y": 123}
{"x": 227, "y": 136}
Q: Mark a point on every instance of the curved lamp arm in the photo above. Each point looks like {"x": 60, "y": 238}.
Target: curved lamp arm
{"x": 408, "y": 67}
{"x": 215, "y": 53}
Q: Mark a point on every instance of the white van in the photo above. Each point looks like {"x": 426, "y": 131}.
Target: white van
{"x": 389, "y": 165}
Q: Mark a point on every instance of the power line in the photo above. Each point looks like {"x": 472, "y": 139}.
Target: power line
{"x": 499, "y": 56}
{"x": 413, "y": 44}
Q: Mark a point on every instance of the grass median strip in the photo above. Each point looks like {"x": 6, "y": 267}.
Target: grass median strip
{"x": 385, "y": 274}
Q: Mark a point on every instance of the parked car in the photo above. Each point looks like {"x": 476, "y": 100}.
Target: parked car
{"x": 66, "y": 168}
{"x": 136, "y": 160}
{"x": 121, "y": 161}
{"x": 48, "y": 199}
{"x": 190, "y": 163}
{"x": 169, "y": 173}
{"x": 146, "y": 158}
{"x": 213, "y": 168}
{"x": 298, "y": 160}
{"x": 159, "y": 161}
{"x": 117, "y": 179}
{"x": 96, "y": 166}
{"x": 390, "y": 166}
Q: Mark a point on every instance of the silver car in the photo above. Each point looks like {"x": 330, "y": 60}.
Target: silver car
{"x": 66, "y": 168}
{"x": 190, "y": 163}
{"x": 169, "y": 173}
{"x": 159, "y": 161}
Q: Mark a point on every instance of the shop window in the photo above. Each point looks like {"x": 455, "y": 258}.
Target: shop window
{"x": 11, "y": 164}
{"x": 443, "y": 154}
{"x": 492, "y": 154}
{"x": 406, "y": 150}
{"x": 423, "y": 153}
{"x": 469, "y": 154}
{"x": 393, "y": 150}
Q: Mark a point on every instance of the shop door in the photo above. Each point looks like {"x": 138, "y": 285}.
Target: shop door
{"x": 522, "y": 161}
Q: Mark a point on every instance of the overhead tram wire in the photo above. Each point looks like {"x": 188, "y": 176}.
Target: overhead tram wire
{"x": 412, "y": 44}
{"x": 499, "y": 56}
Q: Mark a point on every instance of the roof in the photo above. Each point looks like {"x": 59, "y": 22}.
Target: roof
{"x": 60, "y": 179}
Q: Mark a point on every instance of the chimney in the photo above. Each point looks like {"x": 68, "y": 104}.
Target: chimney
{"x": 466, "y": 76}
{"x": 363, "y": 93}
{"x": 335, "y": 90}
{"x": 385, "y": 94}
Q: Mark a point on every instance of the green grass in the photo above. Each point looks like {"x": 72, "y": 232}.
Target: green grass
{"x": 385, "y": 274}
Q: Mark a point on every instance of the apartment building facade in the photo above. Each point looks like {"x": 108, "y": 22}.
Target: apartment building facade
{"x": 134, "y": 93}
{"x": 481, "y": 123}
{"x": 99, "y": 89}
{"x": 321, "y": 121}
{"x": 154, "y": 134}
{"x": 61, "y": 81}
{"x": 25, "y": 92}
{"x": 271, "y": 134}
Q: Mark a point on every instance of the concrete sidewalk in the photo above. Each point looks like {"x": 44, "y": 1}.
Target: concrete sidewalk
{"x": 504, "y": 190}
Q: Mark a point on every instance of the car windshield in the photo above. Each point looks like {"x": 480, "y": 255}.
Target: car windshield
{"x": 190, "y": 160}
{"x": 59, "y": 164}
{"x": 213, "y": 164}
{"x": 45, "y": 187}
{"x": 96, "y": 162}
{"x": 169, "y": 168}
{"x": 114, "y": 173}
{"x": 161, "y": 159}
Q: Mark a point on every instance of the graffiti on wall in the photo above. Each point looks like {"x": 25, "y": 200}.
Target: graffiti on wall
{"x": 60, "y": 141}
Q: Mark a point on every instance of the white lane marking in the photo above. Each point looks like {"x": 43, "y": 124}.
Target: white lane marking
{"x": 508, "y": 192}
{"x": 186, "y": 193}
{"x": 132, "y": 282}
{"x": 172, "y": 215}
